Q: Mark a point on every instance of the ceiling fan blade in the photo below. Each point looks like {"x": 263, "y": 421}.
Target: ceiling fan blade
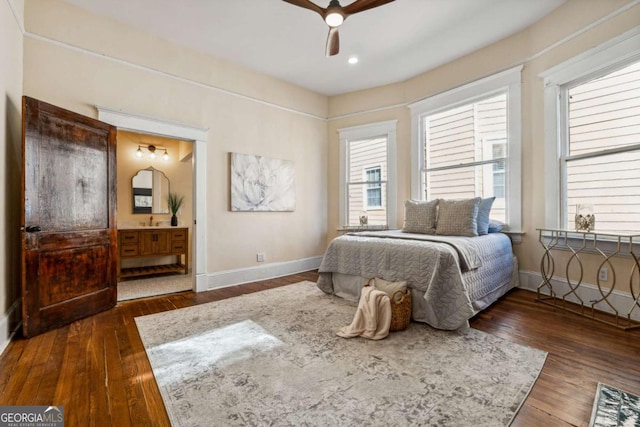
{"x": 333, "y": 42}
{"x": 307, "y": 4}
{"x": 362, "y": 5}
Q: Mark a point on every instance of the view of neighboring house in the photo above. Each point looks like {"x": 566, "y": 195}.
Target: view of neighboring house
{"x": 601, "y": 153}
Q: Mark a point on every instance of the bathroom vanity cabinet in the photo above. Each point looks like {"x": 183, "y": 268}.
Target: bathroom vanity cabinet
{"x": 153, "y": 242}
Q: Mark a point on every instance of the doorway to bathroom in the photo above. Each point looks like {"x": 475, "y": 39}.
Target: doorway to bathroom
{"x": 192, "y": 138}
{"x": 155, "y": 215}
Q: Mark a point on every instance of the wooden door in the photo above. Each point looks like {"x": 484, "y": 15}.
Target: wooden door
{"x": 69, "y": 249}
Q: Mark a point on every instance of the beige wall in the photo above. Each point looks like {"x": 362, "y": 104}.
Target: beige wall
{"x": 11, "y": 41}
{"x": 556, "y": 38}
{"x": 80, "y": 60}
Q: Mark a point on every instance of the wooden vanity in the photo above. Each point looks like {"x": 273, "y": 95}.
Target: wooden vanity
{"x": 153, "y": 242}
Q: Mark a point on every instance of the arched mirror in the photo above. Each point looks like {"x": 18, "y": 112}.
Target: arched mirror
{"x": 150, "y": 190}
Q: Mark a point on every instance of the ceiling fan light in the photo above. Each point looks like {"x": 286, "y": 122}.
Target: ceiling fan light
{"x": 334, "y": 19}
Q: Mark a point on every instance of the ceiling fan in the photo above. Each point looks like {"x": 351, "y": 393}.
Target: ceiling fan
{"x": 334, "y": 15}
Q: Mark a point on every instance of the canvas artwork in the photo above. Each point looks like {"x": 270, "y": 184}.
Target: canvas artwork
{"x": 261, "y": 184}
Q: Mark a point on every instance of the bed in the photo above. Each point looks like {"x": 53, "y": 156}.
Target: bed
{"x": 451, "y": 278}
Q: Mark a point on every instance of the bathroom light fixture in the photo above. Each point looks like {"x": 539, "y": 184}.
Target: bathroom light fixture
{"x": 152, "y": 151}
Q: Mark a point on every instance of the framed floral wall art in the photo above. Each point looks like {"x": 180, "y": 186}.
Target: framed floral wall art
{"x": 262, "y": 184}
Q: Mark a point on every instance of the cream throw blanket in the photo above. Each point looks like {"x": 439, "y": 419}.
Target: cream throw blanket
{"x": 373, "y": 316}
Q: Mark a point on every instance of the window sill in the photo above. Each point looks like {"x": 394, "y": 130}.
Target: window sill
{"x": 353, "y": 228}
{"x": 515, "y": 236}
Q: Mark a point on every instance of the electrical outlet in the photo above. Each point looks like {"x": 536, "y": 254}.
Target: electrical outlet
{"x": 260, "y": 256}
{"x": 603, "y": 274}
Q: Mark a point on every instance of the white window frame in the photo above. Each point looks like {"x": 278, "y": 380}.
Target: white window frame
{"x": 370, "y": 131}
{"x": 509, "y": 81}
{"x": 608, "y": 56}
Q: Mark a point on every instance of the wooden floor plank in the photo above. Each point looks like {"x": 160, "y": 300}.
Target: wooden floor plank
{"x": 52, "y": 369}
{"x": 116, "y": 381}
{"x": 27, "y": 361}
{"x": 98, "y": 369}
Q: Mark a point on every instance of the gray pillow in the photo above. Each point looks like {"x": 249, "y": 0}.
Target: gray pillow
{"x": 420, "y": 216}
{"x": 483, "y": 215}
{"x": 458, "y": 217}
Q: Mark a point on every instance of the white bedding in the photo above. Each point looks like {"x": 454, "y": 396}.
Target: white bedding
{"x": 444, "y": 295}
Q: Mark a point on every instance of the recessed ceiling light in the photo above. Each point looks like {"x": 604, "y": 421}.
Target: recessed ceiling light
{"x": 352, "y": 60}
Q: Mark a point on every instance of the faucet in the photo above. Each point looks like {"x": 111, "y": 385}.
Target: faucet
{"x": 151, "y": 221}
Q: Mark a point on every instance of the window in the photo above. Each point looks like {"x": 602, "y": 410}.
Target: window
{"x": 466, "y": 143}
{"x": 460, "y": 159}
{"x": 593, "y": 103}
{"x": 367, "y": 174}
{"x": 601, "y": 152}
{"x": 374, "y": 188}
{"x": 496, "y": 180}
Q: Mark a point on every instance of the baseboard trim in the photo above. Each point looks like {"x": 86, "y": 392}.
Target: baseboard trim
{"x": 223, "y": 279}
{"x": 622, "y": 301}
{"x": 9, "y": 319}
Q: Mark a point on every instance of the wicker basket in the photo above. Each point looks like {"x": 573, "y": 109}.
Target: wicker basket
{"x": 400, "y": 308}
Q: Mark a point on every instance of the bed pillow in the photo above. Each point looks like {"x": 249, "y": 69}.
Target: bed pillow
{"x": 420, "y": 216}
{"x": 458, "y": 217}
{"x": 495, "y": 226}
{"x": 388, "y": 287}
{"x": 483, "y": 215}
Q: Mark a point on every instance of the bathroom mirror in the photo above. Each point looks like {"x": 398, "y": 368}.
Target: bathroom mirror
{"x": 150, "y": 191}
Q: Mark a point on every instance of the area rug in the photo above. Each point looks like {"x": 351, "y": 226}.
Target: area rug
{"x": 149, "y": 287}
{"x": 613, "y": 407}
{"x": 273, "y": 358}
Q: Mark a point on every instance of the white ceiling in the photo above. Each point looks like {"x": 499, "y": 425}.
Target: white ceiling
{"x": 393, "y": 42}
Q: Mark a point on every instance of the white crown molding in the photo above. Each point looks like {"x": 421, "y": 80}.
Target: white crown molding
{"x": 523, "y": 62}
{"x": 169, "y": 75}
{"x": 353, "y": 114}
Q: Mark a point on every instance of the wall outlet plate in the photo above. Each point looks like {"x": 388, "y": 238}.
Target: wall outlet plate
{"x": 260, "y": 256}
{"x": 603, "y": 274}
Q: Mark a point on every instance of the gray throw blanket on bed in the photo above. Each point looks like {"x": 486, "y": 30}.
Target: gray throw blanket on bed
{"x": 433, "y": 267}
{"x": 466, "y": 248}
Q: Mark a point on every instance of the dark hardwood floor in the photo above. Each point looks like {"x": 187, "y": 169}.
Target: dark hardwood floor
{"x": 98, "y": 370}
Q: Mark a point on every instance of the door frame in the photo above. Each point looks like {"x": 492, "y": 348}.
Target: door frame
{"x": 196, "y": 135}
